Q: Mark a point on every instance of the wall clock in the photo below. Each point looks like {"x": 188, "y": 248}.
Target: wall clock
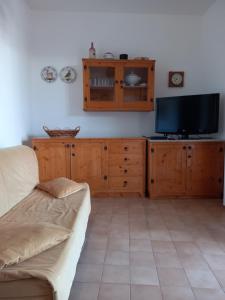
{"x": 49, "y": 74}
{"x": 176, "y": 79}
{"x": 68, "y": 75}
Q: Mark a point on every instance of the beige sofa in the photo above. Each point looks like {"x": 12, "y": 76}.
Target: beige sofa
{"x": 50, "y": 274}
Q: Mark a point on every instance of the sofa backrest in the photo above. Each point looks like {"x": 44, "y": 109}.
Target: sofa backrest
{"x": 18, "y": 175}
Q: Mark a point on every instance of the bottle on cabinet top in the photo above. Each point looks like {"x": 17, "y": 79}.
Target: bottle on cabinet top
{"x": 92, "y": 51}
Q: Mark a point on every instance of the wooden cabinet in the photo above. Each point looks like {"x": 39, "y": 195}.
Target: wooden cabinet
{"x": 205, "y": 169}
{"x": 106, "y": 88}
{"x": 127, "y": 166}
{"x": 53, "y": 159}
{"x": 109, "y": 166}
{"x": 89, "y": 164}
{"x": 185, "y": 169}
{"x": 167, "y": 169}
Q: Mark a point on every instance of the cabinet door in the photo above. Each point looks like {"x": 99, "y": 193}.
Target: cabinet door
{"x": 89, "y": 164}
{"x": 137, "y": 86}
{"x": 53, "y": 159}
{"x": 167, "y": 169}
{"x": 100, "y": 86}
{"x": 205, "y": 163}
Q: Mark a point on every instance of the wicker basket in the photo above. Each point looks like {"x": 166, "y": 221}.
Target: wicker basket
{"x": 61, "y": 132}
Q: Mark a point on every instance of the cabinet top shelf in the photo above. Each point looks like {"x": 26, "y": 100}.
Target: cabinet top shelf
{"x": 71, "y": 139}
{"x": 187, "y": 141}
{"x": 102, "y": 60}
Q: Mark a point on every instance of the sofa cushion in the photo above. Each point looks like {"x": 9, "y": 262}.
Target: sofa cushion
{"x": 60, "y": 187}
{"x": 20, "y": 241}
{"x": 18, "y": 175}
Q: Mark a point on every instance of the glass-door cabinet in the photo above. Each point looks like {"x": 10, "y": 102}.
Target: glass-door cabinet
{"x": 118, "y": 85}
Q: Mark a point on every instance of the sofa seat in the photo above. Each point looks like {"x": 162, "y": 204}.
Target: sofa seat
{"x": 50, "y": 274}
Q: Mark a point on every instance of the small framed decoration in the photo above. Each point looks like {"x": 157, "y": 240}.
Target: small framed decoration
{"x": 49, "y": 74}
{"x": 176, "y": 79}
{"x": 68, "y": 75}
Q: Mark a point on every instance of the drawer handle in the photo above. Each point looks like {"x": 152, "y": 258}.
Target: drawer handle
{"x": 189, "y": 156}
{"x": 67, "y": 145}
{"x": 125, "y": 159}
{"x": 125, "y": 171}
{"x": 189, "y": 147}
{"x": 73, "y": 145}
{"x": 125, "y": 148}
{"x": 105, "y": 177}
{"x": 35, "y": 148}
{"x": 73, "y": 154}
{"x": 125, "y": 183}
{"x": 184, "y": 147}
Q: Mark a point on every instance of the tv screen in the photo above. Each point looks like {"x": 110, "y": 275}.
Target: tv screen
{"x": 195, "y": 114}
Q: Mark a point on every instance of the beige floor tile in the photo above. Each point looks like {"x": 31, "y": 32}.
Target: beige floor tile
{"x": 139, "y": 234}
{"x": 99, "y": 243}
{"x": 160, "y": 235}
{"x": 187, "y": 248}
{"x": 186, "y": 238}
{"x": 172, "y": 277}
{"x": 167, "y": 260}
{"x": 210, "y": 248}
{"x": 143, "y": 275}
{"x": 163, "y": 247}
{"x": 216, "y": 262}
{"x": 140, "y": 245}
{"x": 116, "y": 274}
{"x": 209, "y": 294}
{"x": 120, "y": 258}
{"x": 180, "y": 236}
{"x": 88, "y": 273}
{"x": 177, "y": 293}
{"x": 220, "y": 275}
{"x": 114, "y": 292}
{"x": 84, "y": 291}
{"x": 119, "y": 234}
{"x": 142, "y": 258}
{"x": 145, "y": 292}
{"x": 202, "y": 279}
{"x": 120, "y": 219}
{"x": 193, "y": 261}
{"x": 91, "y": 256}
{"x": 118, "y": 244}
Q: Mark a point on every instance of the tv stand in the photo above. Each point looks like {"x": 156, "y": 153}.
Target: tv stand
{"x": 184, "y": 137}
{"x": 185, "y": 169}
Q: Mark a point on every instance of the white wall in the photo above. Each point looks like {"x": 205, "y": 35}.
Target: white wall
{"x": 214, "y": 52}
{"x": 61, "y": 39}
{"x": 14, "y": 73}
{"x": 214, "y": 45}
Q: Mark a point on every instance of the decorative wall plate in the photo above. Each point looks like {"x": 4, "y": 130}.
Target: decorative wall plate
{"x": 68, "y": 75}
{"x": 49, "y": 74}
{"x": 176, "y": 79}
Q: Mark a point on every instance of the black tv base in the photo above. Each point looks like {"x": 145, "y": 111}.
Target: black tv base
{"x": 182, "y": 137}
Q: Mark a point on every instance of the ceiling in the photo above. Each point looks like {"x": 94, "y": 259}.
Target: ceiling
{"x": 195, "y": 7}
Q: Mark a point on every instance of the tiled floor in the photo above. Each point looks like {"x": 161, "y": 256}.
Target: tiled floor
{"x": 137, "y": 249}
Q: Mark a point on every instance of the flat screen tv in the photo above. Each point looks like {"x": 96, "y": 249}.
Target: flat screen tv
{"x": 187, "y": 115}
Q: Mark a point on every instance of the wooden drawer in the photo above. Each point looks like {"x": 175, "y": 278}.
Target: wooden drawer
{"x": 125, "y": 159}
{"x": 126, "y": 147}
{"x": 123, "y": 170}
{"x": 126, "y": 183}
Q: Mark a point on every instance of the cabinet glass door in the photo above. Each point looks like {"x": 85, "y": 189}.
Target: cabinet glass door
{"x": 135, "y": 84}
{"x": 102, "y": 92}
